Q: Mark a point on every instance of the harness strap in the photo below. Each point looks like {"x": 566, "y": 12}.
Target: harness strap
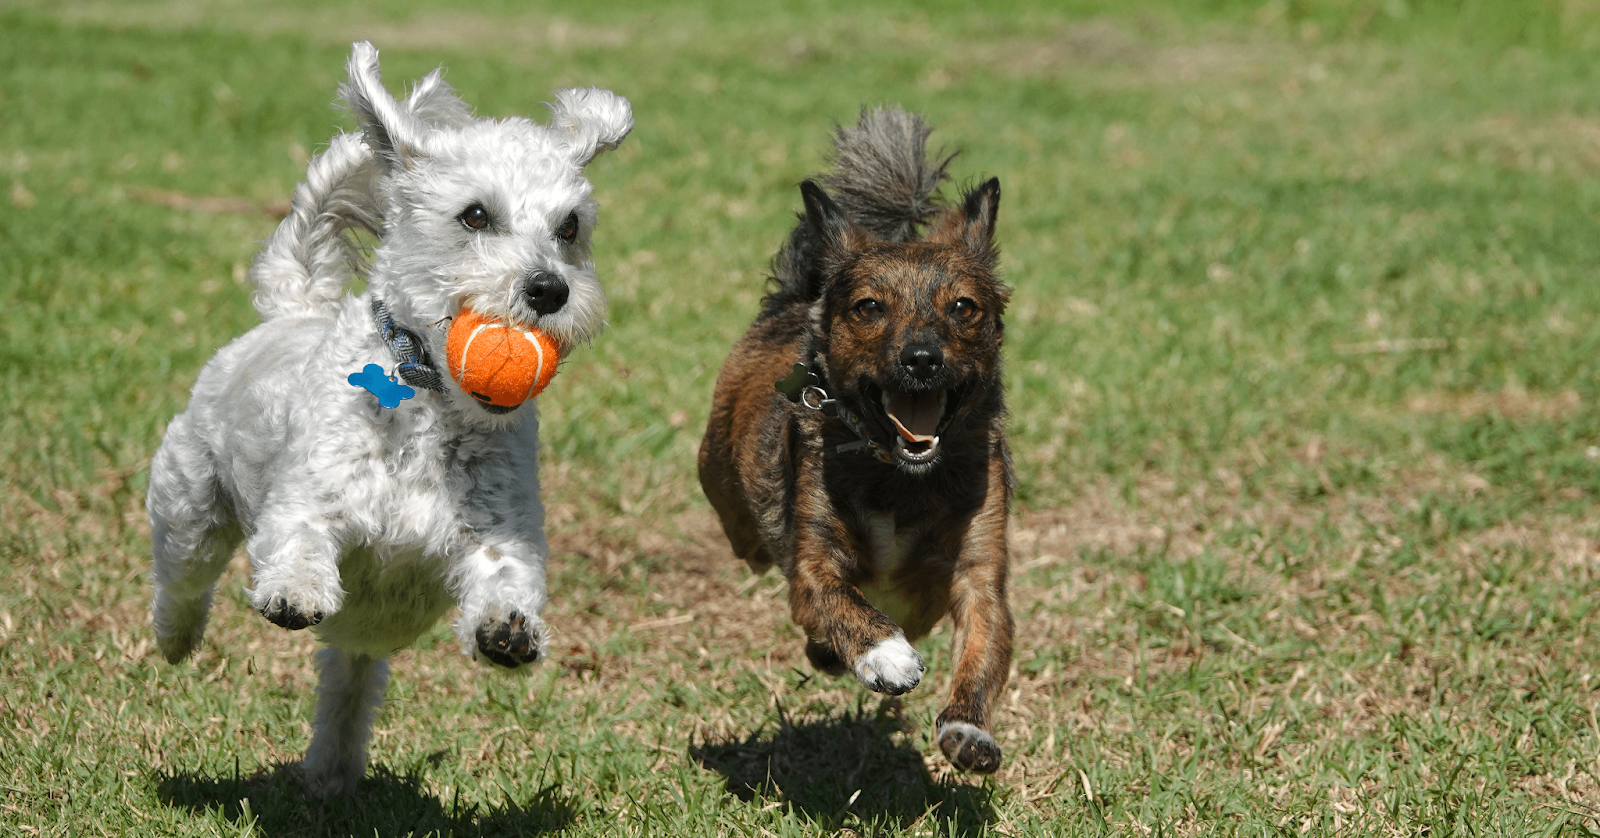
{"x": 803, "y": 386}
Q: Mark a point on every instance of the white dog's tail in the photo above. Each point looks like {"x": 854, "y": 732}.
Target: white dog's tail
{"x": 302, "y": 270}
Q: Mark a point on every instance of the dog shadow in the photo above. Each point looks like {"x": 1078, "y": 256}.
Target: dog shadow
{"x": 276, "y": 803}
{"x": 847, "y": 769}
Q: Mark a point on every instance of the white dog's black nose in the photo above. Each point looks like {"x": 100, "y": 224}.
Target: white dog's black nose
{"x": 546, "y": 292}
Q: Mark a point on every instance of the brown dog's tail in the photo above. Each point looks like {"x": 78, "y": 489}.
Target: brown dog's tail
{"x": 882, "y": 177}
{"x": 882, "y": 180}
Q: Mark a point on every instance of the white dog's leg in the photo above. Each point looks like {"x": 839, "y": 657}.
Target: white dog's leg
{"x": 501, "y": 597}
{"x": 192, "y": 537}
{"x": 187, "y": 564}
{"x": 348, "y": 694}
{"x": 295, "y": 566}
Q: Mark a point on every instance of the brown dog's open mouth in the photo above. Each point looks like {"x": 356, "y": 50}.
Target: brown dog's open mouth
{"x": 917, "y": 418}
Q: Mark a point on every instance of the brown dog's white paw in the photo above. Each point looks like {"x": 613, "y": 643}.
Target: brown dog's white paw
{"x": 891, "y": 667}
{"x": 969, "y": 747}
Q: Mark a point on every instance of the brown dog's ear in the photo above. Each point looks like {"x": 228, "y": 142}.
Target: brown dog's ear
{"x": 828, "y": 224}
{"x": 973, "y": 225}
{"x": 819, "y": 245}
{"x": 822, "y": 243}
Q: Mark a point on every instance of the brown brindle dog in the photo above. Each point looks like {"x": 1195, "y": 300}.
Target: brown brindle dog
{"x": 875, "y": 473}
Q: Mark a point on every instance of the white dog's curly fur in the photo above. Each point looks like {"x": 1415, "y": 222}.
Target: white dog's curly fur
{"x": 367, "y": 522}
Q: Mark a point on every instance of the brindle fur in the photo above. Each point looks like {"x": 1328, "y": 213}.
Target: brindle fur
{"x": 835, "y": 522}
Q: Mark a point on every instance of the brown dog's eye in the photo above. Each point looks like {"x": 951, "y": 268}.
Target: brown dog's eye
{"x": 475, "y": 217}
{"x": 964, "y": 309}
{"x": 568, "y": 231}
{"x": 868, "y": 309}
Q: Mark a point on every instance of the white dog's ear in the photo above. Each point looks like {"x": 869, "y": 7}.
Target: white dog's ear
{"x": 594, "y": 119}
{"x": 436, "y": 103}
{"x": 390, "y": 130}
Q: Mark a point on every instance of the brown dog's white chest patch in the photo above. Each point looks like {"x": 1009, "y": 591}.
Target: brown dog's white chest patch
{"x": 887, "y": 550}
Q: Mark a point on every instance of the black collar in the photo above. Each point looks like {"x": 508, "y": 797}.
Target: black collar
{"x": 803, "y": 385}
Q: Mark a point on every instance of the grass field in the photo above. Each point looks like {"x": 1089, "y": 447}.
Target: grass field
{"x": 1302, "y": 367}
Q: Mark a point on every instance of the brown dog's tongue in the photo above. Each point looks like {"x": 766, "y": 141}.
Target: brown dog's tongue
{"x": 915, "y": 415}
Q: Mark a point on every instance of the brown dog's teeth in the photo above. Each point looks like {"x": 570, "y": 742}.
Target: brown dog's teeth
{"x": 916, "y": 416}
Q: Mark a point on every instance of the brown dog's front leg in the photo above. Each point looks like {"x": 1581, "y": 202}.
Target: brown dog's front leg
{"x": 843, "y": 630}
{"x": 982, "y": 642}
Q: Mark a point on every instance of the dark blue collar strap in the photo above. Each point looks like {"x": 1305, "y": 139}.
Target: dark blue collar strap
{"x": 408, "y": 347}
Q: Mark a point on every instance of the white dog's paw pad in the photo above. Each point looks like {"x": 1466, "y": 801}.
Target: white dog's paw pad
{"x": 891, "y": 667}
{"x": 284, "y": 613}
{"x": 509, "y": 642}
{"x": 969, "y": 747}
{"x": 296, "y": 597}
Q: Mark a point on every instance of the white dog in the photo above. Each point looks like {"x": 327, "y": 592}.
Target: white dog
{"x": 364, "y": 520}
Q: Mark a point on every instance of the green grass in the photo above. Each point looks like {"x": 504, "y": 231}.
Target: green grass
{"x": 1301, "y": 360}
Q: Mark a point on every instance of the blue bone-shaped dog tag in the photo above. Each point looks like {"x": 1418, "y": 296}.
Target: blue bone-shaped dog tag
{"x": 389, "y": 393}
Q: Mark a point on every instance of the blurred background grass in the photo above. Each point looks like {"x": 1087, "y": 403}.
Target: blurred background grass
{"x": 1233, "y": 227}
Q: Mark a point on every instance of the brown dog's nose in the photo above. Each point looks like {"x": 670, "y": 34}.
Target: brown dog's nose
{"x": 546, "y": 292}
{"x": 922, "y": 360}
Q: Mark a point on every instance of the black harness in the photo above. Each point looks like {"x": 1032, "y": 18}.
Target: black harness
{"x": 803, "y": 386}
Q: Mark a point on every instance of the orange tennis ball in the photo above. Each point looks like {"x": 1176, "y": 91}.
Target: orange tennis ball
{"x": 499, "y": 363}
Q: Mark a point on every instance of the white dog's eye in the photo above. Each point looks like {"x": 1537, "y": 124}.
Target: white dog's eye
{"x": 475, "y": 217}
{"x": 568, "y": 231}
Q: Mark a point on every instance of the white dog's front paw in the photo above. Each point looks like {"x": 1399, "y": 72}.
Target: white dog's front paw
{"x": 891, "y": 667}
{"x": 295, "y": 606}
{"x": 510, "y": 641}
